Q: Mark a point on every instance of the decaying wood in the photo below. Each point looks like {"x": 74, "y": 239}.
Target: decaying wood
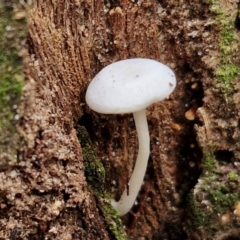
{"x": 69, "y": 42}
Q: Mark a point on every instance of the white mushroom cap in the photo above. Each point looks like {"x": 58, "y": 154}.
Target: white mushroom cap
{"x": 129, "y": 86}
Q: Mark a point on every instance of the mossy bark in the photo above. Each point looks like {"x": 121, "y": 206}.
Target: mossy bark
{"x": 57, "y": 185}
{"x": 13, "y": 29}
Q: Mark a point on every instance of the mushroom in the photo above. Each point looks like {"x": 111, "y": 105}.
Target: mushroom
{"x": 130, "y": 86}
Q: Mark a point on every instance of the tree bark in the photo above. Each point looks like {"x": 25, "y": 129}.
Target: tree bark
{"x": 191, "y": 188}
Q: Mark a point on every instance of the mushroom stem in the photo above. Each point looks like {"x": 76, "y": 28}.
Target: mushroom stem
{"x": 128, "y": 197}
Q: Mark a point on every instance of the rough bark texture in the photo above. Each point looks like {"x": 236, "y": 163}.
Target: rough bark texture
{"x": 191, "y": 188}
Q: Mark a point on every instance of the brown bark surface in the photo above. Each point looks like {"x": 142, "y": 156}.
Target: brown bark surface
{"x": 46, "y": 197}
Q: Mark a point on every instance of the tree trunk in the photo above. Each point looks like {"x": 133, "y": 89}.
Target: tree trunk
{"x": 53, "y": 185}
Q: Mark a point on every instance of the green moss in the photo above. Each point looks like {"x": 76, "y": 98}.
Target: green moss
{"x": 112, "y": 218}
{"x": 222, "y": 201}
{"x": 221, "y": 191}
{"x": 12, "y": 33}
{"x": 233, "y": 176}
{"x": 10, "y": 62}
{"x": 227, "y": 68}
{"x": 94, "y": 170}
{"x": 209, "y": 163}
{"x": 198, "y": 218}
{"x": 215, "y": 194}
{"x": 95, "y": 176}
